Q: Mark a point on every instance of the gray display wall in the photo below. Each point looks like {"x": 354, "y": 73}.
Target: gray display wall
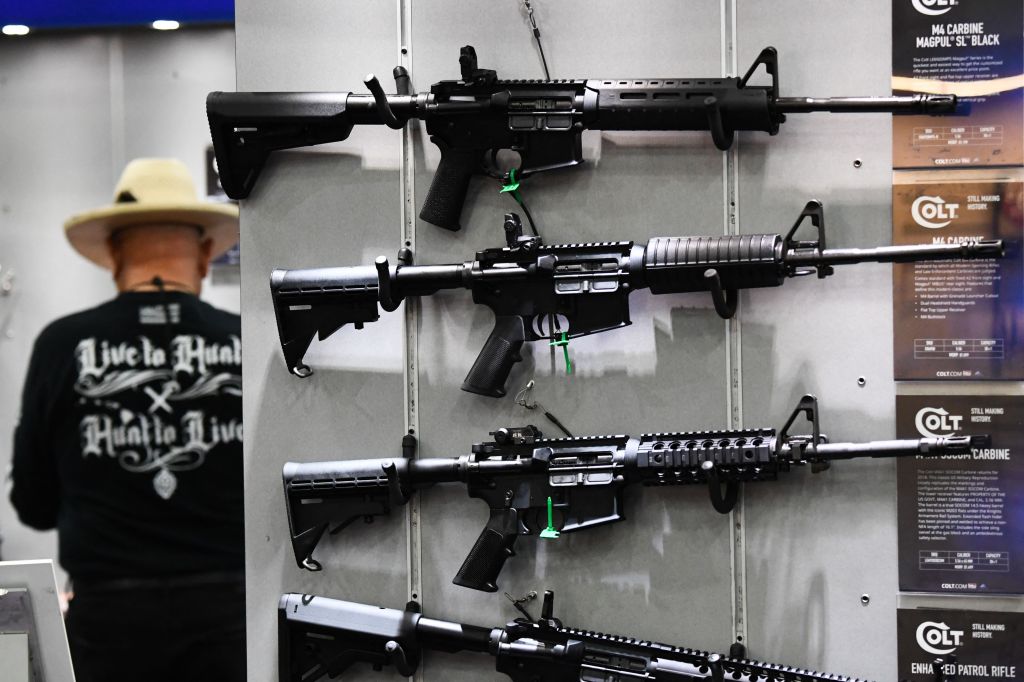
{"x": 74, "y": 108}
{"x": 787, "y": 571}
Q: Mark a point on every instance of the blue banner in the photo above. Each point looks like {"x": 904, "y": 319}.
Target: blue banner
{"x": 64, "y": 14}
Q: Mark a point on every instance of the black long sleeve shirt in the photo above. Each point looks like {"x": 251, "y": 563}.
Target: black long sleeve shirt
{"x": 130, "y": 438}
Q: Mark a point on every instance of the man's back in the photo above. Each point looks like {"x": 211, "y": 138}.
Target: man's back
{"x": 130, "y": 438}
{"x": 130, "y": 441}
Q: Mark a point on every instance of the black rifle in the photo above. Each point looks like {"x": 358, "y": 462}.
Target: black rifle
{"x": 471, "y": 119}
{"x": 532, "y": 287}
{"x": 546, "y": 486}
{"x": 320, "y": 637}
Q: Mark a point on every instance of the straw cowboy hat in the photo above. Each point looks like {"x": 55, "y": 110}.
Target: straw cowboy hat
{"x": 151, "y": 191}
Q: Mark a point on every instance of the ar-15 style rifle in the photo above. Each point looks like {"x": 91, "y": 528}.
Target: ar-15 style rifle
{"x": 532, "y": 287}
{"x": 547, "y": 486}
{"x": 471, "y": 119}
{"x": 320, "y": 637}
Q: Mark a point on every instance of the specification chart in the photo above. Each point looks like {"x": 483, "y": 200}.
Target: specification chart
{"x": 965, "y": 349}
{"x": 958, "y": 136}
{"x": 964, "y": 561}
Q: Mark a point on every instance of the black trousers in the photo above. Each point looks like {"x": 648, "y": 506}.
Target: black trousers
{"x": 158, "y": 632}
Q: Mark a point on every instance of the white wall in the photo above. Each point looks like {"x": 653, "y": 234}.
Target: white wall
{"x": 74, "y": 108}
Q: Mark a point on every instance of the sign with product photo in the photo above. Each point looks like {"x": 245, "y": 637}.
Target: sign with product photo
{"x": 975, "y": 645}
{"x": 961, "y": 517}
{"x": 959, "y": 320}
{"x": 970, "y": 48}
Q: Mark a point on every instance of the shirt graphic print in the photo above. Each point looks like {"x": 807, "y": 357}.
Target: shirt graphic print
{"x": 138, "y": 399}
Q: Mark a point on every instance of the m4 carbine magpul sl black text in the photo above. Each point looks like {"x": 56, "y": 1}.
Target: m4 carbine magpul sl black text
{"x": 472, "y": 119}
{"x": 547, "y": 486}
{"x": 534, "y": 289}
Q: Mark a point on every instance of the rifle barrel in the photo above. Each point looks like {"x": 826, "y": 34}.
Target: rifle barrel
{"x": 985, "y": 248}
{"x": 902, "y": 104}
{"x": 950, "y": 445}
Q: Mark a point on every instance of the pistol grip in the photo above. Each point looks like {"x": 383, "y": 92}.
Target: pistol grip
{"x": 494, "y": 546}
{"x": 447, "y": 193}
{"x": 492, "y": 366}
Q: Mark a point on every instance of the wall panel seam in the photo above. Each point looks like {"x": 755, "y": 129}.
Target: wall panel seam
{"x": 410, "y": 369}
{"x": 733, "y": 337}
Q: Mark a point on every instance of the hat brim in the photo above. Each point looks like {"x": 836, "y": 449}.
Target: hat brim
{"x": 89, "y": 232}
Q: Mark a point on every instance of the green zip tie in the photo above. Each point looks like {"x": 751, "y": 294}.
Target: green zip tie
{"x": 550, "y": 532}
{"x": 512, "y": 187}
{"x": 563, "y": 341}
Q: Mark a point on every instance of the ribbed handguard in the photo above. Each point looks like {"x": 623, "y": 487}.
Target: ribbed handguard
{"x": 678, "y": 264}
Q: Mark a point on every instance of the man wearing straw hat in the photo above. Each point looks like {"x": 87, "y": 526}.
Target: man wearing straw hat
{"x": 129, "y": 442}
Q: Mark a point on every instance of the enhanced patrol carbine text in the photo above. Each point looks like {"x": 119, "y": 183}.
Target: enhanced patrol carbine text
{"x": 546, "y": 486}
{"x": 472, "y": 119}
{"x": 535, "y": 289}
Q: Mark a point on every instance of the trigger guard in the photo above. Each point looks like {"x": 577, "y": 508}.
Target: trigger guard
{"x": 536, "y": 329}
{"x": 536, "y": 520}
{"x": 490, "y": 164}
{"x": 528, "y": 522}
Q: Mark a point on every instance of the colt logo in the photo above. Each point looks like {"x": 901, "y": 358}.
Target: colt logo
{"x": 926, "y": 6}
{"x": 931, "y": 636}
{"x": 928, "y": 211}
{"x": 935, "y": 422}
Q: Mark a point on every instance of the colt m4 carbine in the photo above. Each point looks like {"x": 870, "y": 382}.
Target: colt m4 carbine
{"x": 320, "y": 637}
{"x": 532, "y": 288}
{"x": 546, "y": 486}
{"x": 471, "y": 119}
